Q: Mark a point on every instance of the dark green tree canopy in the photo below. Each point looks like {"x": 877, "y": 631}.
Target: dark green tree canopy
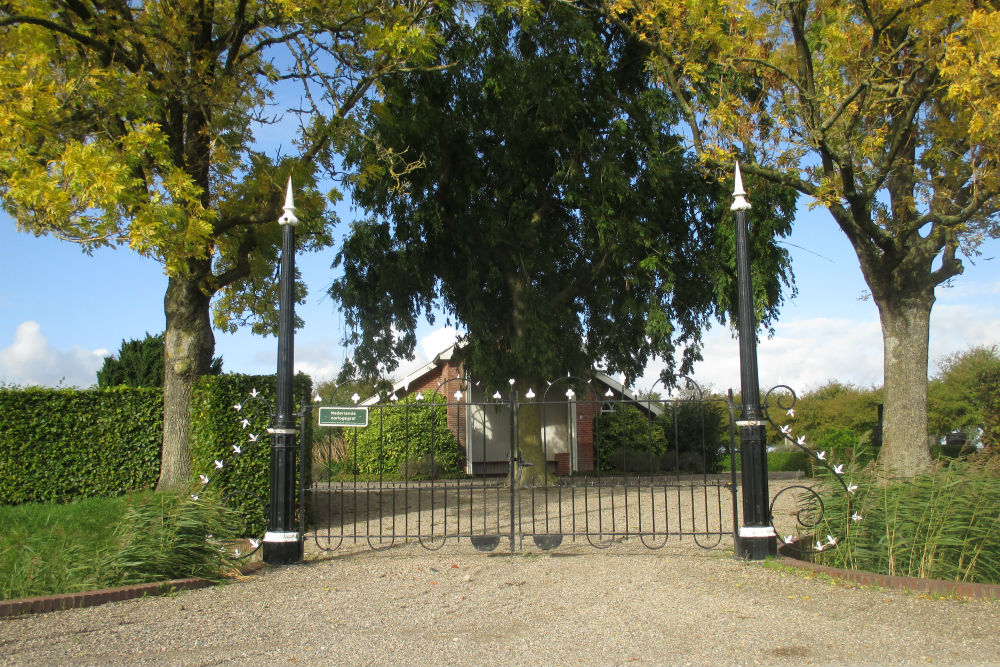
{"x": 139, "y": 363}
{"x": 532, "y": 189}
{"x": 953, "y": 394}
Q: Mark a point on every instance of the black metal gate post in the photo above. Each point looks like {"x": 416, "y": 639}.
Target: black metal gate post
{"x": 283, "y": 541}
{"x": 512, "y": 474}
{"x": 756, "y": 536}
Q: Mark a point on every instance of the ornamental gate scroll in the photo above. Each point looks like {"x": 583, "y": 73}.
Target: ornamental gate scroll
{"x": 444, "y": 466}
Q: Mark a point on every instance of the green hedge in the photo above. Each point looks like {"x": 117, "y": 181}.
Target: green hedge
{"x": 58, "y": 445}
{"x": 687, "y": 437}
{"x": 216, "y": 427}
{"x": 400, "y": 438}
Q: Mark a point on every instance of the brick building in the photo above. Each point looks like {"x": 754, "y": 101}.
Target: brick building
{"x": 482, "y": 423}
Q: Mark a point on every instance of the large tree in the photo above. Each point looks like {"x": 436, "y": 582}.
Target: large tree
{"x": 881, "y": 112}
{"x": 534, "y": 192}
{"x": 133, "y": 123}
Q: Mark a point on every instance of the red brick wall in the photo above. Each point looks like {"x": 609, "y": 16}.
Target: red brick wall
{"x": 586, "y": 413}
{"x": 431, "y": 381}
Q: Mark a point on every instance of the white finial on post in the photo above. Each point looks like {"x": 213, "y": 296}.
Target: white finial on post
{"x": 289, "y": 217}
{"x": 740, "y": 202}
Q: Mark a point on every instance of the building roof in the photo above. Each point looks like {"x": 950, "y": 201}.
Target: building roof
{"x": 617, "y": 389}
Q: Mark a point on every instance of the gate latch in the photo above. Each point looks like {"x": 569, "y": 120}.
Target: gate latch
{"x": 521, "y": 462}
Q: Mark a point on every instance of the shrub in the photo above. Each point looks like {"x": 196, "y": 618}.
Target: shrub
{"x": 697, "y": 435}
{"x": 687, "y": 437}
{"x": 988, "y": 401}
{"x": 399, "y": 437}
{"x": 833, "y": 406}
{"x": 843, "y": 444}
{"x": 788, "y": 461}
{"x": 954, "y": 395}
{"x": 629, "y": 440}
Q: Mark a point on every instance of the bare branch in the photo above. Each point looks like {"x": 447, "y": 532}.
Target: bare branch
{"x": 843, "y": 106}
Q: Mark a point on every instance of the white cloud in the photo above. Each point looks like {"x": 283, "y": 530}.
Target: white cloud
{"x": 806, "y": 354}
{"x": 437, "y": 342}
{"x": 955, "y": 328}
{"x": 803, "y": 354}
{"x": 321, "y": 359}
{"x": 31, "y": 360}
{"x": 428, "y": 347}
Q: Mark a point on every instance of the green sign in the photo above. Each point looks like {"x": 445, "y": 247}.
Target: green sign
{"x": 334, "y": 416}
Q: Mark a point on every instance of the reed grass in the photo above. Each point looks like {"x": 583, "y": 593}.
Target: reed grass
{"x": 943, "y": 524}
{"x": 173, "y": 536}
{"x": 53, "y": 548}
{"x": 48, "y": 549}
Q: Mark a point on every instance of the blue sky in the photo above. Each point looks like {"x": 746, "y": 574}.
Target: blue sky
{"x": 62, "y": 311}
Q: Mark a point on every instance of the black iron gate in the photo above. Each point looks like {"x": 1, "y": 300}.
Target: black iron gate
{"x": 454, "y": 463}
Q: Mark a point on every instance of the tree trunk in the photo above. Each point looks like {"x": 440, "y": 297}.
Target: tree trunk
{"x": 905, "y": 334}
{"x": 528, "y": 422}
{"x": 188, "y": 348}
{"x": 529, "y": 442}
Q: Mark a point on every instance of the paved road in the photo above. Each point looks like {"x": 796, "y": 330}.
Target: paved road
{"x": 622, "y": 606}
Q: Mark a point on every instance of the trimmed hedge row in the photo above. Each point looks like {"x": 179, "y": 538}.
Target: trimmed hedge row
{"x": 58, "y": 445}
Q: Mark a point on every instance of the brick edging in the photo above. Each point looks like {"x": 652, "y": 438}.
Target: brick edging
{"x": 899, "y": 583}
{"x": 47, "y": 603}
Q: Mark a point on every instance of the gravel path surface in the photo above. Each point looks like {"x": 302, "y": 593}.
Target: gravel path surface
{"x": 580, "y": 606}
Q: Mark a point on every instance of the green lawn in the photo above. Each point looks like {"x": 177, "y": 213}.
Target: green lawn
{"x": 778, "y": 461}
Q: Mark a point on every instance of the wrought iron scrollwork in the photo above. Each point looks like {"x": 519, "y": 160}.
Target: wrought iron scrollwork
{"x": 782, "y": 397}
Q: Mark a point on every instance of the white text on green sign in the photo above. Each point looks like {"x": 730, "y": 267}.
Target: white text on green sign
{"x": 334, "y": 416}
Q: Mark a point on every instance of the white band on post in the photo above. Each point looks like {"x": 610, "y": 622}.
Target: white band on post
{"x": 757, "y": 531}
{"x": 271, "y": 536}
{"x": 751, "y": 422}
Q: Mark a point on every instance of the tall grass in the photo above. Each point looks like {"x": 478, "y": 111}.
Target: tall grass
{"x": 943, "y": 524}
{"x": 173, "y": 536}
{"x": 52, "y": 548}
{"x": 47, "y": 549}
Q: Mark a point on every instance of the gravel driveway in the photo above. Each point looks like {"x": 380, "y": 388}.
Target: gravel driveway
{"x": 622, "y": 606}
